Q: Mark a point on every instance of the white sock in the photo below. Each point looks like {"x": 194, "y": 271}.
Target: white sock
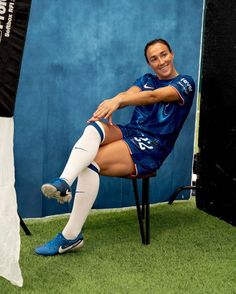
{"x": 86, "y": 193}
{"x": 83, "y": 152}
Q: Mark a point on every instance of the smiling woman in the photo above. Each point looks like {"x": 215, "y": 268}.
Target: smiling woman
{"x": 160, "y": 57}
{"x": 162, "y": 102}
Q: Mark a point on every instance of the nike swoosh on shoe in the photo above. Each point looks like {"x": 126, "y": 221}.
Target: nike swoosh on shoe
{"x": 62, "y": 250}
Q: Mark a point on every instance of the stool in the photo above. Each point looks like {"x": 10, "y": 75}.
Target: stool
{"x": 143, "y": 212}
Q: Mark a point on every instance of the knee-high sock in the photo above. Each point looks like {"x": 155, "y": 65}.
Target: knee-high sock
{"x": 86, "y": 193}
{"x": 84, "y": 151}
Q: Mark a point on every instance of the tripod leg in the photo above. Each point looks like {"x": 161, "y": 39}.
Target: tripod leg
{"x": 24, "y": 227}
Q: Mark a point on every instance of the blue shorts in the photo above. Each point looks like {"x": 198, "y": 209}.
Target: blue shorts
{"x": 145, "y": 150}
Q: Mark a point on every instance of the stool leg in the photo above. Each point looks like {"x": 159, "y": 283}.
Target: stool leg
{"x": 147, "y": 208}
{"x": 135, "y": 187}
{"x": 143, "y": 199}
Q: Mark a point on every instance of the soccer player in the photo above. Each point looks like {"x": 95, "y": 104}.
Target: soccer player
{"x": 163, "y": 101}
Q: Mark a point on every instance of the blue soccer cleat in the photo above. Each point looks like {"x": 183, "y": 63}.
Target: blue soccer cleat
{"x": 60, "y": 245}
{"x": 58, "y": 189}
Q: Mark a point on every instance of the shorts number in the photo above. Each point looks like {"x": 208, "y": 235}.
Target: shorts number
{"x": 143, "y": 143}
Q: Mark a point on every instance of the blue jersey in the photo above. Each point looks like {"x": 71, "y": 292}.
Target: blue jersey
{"x": 163, "y": 120}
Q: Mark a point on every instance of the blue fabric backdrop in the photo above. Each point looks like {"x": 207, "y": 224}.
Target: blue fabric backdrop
{"x": 76, "y": 54}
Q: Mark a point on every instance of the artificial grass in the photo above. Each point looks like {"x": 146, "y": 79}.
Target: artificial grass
{"x": 190, "y": 252}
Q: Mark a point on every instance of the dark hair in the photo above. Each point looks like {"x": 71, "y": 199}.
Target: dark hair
{"x": 162, "y": 41}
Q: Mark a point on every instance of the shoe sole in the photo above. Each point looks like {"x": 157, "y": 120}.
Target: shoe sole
{"x": 50, "y": 191}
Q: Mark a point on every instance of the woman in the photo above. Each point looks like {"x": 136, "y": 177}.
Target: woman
{"x": 162, "y": 102}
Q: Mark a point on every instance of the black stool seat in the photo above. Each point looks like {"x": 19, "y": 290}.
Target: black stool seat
{"x": 143, "y": 212}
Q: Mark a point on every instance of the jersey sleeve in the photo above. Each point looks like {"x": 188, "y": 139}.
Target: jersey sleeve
{"x": 186, "y": 88}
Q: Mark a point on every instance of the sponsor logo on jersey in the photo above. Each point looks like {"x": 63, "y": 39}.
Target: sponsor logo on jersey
{"x": 185, "y": 85}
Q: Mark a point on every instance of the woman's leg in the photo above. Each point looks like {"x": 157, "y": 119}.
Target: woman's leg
{"x": 85, "y": 195}
{"x": 114, "y": 160}
{"x": 83, "y": 153}
{"x": 86, "y": 148}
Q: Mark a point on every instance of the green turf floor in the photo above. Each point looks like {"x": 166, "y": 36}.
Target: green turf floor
{"x": 190, "y": 252}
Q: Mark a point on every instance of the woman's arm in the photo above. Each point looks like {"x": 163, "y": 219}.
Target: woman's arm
{"x": 134, "y": 96}
{"x": 165, "y": 94}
